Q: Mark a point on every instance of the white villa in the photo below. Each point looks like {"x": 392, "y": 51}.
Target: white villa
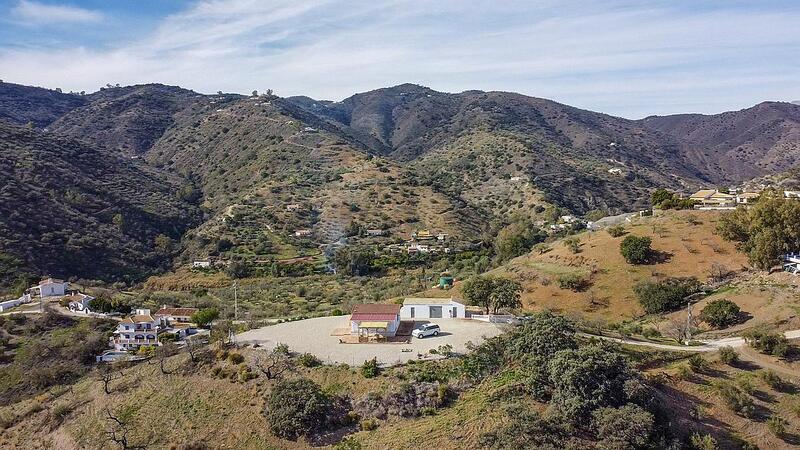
{"x": 51, "y": 287}
{"x": 201, "y": 264}
{"x": 137, "y": 330}
{"x": 432, "y": 308}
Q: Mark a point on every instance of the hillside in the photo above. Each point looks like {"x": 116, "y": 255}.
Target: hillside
{"x": 737, "y": 145}
{"x": 130, "y": 119}
{"x": 68, "y": 209}
{"x": 23, "y": 104}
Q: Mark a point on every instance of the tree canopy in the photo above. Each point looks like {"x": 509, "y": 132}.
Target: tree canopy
{"x": 492, "y": 294}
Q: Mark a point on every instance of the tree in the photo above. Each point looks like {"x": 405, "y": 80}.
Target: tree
{"x": 667, "y": 295}
{"x": 163, "y": 244}
{"x": 275, "y": 364}
{"x": 505, "y": 294}
{"x": 492, "y": 293}
{"x": 353, "y": 261}
{"x": 205, "y": 316}
{"x": 254, "y": 93}
{"x": 478, "y": 291}
{"x": 774, "y": 344}
{"x": 542, "y": 336}
{"x": 616, "y": 231}
{"x": 720, "y": 313}
{"x": 238, "y": 270}
{"x": 628, "y": 427}
{"x": 515, "y": 239}
{"x": 659, "y": 196}
{"x": 587, "y": 379}
{"x": 296, "y": 408}
{"x": 636, "y": 249}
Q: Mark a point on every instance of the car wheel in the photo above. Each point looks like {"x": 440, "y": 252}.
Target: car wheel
{"x": 435, "y": 333}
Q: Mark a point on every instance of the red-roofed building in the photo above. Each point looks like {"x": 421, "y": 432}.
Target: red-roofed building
{"x": 375, "y": 318}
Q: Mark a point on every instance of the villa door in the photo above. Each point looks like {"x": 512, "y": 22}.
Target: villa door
{"x": 436, "y": 312}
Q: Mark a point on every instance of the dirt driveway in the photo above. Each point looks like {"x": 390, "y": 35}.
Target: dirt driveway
{"x": 314, "y": 336}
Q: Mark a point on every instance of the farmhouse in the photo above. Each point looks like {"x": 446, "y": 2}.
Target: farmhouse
{"x": 302, "y": 233}
{"x": 137, "y": 330}
{"x": 432, "y": 308}
{"x": 167, "y": 315}
{"x": 375, "y": 232}
{"x": 375, "y": 319}
{"x": 745, "y": 198}
{"x": 81, "y": 303}
{"x": 51, "y": 287}
{"x": 201, "y": 264}
{"x": 712, "y": 198}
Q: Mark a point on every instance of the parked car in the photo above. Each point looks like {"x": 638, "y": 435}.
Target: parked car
{"x": 429, "y": 329}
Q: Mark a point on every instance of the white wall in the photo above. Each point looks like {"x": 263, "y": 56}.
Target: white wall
{"x": 423, "y": 311}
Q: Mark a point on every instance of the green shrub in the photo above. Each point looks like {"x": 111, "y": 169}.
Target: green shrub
{"x": 370, "y": 368}
{"x": 736, "y": 400}
{"x": 728, "y": 355}
{"x": 636, "y": 249}
{"x": 772, "y": 379}
{"x": 573, "y": 281}
{"x": 774, "y": 344}
{"x": 308, "y": 360}
{"x": 703, "y": 442}
{"x": 616, "y": 231}
{"x": 296, "y": 408}
{"x": 720, "y": 313}
{"x": 348, "y": 443}
{"x": 697, "y": 363}
{"x": 573, "y": 244}
{"x": 665, "y": 296}
{"x": 776, "y": 425}
{"x": 368, "y": 424}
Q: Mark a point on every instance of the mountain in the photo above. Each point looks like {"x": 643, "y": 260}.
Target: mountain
{"x": 130, "y": 119}
{"x": 26, "y": 104}
{"x": 400, "y": 158}
{"x": 735, "y": 146}
{"x": 70, "y": 209}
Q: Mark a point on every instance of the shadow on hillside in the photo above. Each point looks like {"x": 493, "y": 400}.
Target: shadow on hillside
{"x": 660, "y": 257}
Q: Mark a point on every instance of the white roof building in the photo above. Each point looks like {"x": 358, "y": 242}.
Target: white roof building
{"x": 432, "y": 308}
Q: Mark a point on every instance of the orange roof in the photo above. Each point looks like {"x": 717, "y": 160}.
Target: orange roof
{"x": 138, "y": 319}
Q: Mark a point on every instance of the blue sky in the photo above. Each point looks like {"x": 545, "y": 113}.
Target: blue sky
{"x": 627, "y": 58}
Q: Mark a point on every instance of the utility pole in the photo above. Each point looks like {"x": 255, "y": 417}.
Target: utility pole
{"x": 235, "y": 301}
{"x": 689, "y": 321}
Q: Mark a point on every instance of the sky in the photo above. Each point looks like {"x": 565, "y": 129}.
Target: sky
{"x": 626, "y": 58}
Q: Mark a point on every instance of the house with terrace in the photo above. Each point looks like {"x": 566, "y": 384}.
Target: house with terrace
{"x": 140, "y": 329}
{"x": 375, "y": 319}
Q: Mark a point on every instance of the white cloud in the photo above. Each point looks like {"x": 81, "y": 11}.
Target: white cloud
{"x": 31, "y": 12}
{"x": 626, "y": 58}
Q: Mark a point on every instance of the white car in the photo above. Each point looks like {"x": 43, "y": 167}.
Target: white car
{"x": 429, "y": 329}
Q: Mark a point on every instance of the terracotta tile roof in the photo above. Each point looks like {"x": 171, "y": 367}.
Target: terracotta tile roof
{"x": 375, "y": 312}
{"x": 175, "y": 312}
{"x": 138, "y": 319}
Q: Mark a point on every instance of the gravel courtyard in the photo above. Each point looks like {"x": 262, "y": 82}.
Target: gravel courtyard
{"x": 314, "y": 336}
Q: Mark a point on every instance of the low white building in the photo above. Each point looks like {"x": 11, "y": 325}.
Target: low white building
{"x": 169, "y": 316}
{"x": 432, "y": 308}
{"x": 8, "y": 304}
{"x": 201, "y": 264}
{"x": 51, "y": 287}
{"x": 81, "y": 303}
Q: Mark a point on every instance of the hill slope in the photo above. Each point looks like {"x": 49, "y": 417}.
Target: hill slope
{"x": 69, "y": 209}
{"x": 22, "y": 104}
{"x": 737, "y": 145}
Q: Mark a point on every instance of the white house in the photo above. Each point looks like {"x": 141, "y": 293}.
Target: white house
{"x": 169, "y": 316}
{"x": 375, "y": 319}
{"x": 375, "y": 232}
{"x": 302, "y": 233}
{"x": 201, "y": 264}
{"x": 432, "y": 308}
{"x": 140, "y": 329}
{"x": 51, "y": 287}
{"x": 81, "y": 304}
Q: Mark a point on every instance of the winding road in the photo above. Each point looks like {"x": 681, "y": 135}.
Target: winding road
{"x": 707, "y": 346}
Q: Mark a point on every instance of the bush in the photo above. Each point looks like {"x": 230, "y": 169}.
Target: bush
{"x": 370, "y": 368}
{"x": 626, "y": 428}
{"x": 720, "y": 313}
{"x": 736, "y": 400}
{"x": 776, "y": 425}
{"x": 616, "y": 231}
{"x": 665, "y": 296}
{"x": 728, "y": 355}
{"x": 296, "y": 408}
{"x": 573, "y": 281}
{"x": 368, "y": 424}
{"x": 308, "y": 360}
{"x": 697, "y": 363}
{"x": 235, "y": 358}
{"x": 774, "y": 344}
{"x": 204, "y": 317}
{"x": 636, "y": 249}
{"x": 573, "y": 244}
{"x": 772, "y": 379}
{"x": 703, "y": 442}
